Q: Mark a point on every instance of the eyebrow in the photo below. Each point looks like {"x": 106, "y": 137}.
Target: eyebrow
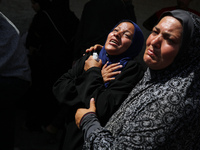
{"x": 166, "y": 33}
{"x": 125, "y": 30}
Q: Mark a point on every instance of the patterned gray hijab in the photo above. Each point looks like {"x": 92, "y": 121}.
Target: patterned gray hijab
{"x": 167, "y": 101}
{"x": 163, "y": 110}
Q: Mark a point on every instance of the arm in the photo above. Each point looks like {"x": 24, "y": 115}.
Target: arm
{"x": 79, "y": 82}
{"x": 65, "y": 89}
{"x": 166, "y": 130}
{"x": 86, "y": 119}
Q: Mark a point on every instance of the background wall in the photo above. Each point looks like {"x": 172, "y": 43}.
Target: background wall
{"x": 21, "y": 13}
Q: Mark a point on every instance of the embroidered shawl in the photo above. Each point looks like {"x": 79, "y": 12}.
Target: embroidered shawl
{"x": 163, "y": 110}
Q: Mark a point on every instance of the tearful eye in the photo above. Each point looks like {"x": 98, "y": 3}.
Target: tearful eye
{"x": 127, "y": 36}
{"x": 115, "y": 30}
{"x": 170, "y": 41}
{"x": 154, "y": 32}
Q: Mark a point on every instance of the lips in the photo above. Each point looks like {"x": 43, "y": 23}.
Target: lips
{"x": 151, "y": 52}
{"x": 113, "y": 41}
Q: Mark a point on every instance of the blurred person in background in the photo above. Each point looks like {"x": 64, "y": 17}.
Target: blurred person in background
{"x": 50, "y": 43}
{"x": 181, "y": 4}
{"x": 15, "y": 79}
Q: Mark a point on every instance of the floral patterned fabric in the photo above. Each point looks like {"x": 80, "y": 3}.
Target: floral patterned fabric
{"x": 163, "y": 110}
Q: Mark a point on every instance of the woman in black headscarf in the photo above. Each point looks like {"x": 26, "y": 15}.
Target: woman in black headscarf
{"x": 86, "y": 80}
{"x": 163, "y": 109}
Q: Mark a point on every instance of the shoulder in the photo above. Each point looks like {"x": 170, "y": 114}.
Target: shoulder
{"x": 134, "y": 64}
{"x": 133, "y": 69}
{"x": 195, "y": 12}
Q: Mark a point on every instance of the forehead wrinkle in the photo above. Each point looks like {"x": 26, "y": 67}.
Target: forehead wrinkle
{"x": 169, "y": 32}
{"x": 128, "y": 29}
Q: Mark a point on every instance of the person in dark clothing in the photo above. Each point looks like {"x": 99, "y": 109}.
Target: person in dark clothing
{"x": 92, "y": 30}
{"x": 181, "y": 4}
{"x": 49, "y": 40}
{"x": 15, "y": 79}
{"x": 113, "y": 81}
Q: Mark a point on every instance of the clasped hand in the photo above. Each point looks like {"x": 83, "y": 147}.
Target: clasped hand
{"x": 91, "y": 62}
{"x": 108, "y": 72}
{"x": 82, "y": 111}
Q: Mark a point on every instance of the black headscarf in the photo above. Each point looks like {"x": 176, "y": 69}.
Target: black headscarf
{"x": 188, "y": 30}
{"x": 188, "y": 53}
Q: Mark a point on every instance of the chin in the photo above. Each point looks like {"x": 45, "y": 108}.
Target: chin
{"x": 147, "y": 59}
{"x": 111, "y": 52}
{"x": 150, "y": 63}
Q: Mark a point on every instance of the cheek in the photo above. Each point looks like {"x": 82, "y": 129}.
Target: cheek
{"x": 126, "y": 44}
{"x": 146, "y": 57}
{"x": 107, "y": 40}
{"x": 169, "y": 53}
{"x": 148, "y": 40}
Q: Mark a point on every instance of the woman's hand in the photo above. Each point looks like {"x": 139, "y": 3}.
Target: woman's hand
{"x": 91, "y": 62}
{"x": 108, "y": 72}
{"x": 82, "y": 111}
{"x": 96, "y": 47}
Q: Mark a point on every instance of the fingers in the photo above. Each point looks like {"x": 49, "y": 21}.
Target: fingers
{"x": 82, "y": 111}
{"x": 100, "y": 62}
{"x": 96, "y": 47}
{"x": 90, "y": 49}
{"x": 90, "y": 62}
{"x": 78, "y": 117}
{"x": 104, "y": 66}
{"x": 92, "y": 105}
{"x": 111, "y": 74}
{"x": 113, "y": 67}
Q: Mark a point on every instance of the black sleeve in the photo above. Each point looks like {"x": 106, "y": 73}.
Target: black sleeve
{"x": 89, "y": 123}
{"x": 64, "y": 88}
{"x": 77, "y": 85}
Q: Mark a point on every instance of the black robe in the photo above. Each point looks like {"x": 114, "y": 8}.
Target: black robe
{"x": 76, "y": 87}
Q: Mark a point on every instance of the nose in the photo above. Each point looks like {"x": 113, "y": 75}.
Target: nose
{"x": 156, "y": 41}
{"x": 118, "y": 33}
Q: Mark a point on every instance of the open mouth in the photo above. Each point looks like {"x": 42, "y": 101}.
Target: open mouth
{"x": 114, "y": 41}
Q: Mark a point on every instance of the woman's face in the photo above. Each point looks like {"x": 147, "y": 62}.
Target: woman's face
{"x": 120, "y": 39}
{"x": 163, "y": 43}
